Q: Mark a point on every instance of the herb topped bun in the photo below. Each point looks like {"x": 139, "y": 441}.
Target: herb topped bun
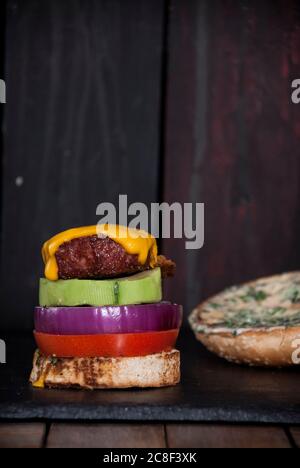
{"x": 257, "y": 323}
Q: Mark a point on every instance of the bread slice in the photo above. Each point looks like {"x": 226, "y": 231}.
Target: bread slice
{"x": 155, "y": 370}
{"x": 257, "y": 323}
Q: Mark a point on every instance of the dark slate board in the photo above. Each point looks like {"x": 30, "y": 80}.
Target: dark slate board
{"x": 211, "y": 390}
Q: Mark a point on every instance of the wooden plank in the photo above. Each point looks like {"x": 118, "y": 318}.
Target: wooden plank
{"x": 295, "y": 433}
{"x": 22, "y": 435}
{"x": 211, "y": 436}
{"x": 2, "y": 76}
{"x": 81, "y": 125}
{"x": 106, "y": 436}
{"x": 231, "y": 139}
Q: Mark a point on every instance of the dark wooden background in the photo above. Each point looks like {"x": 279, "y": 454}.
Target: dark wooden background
{"x": 178, "y": 100}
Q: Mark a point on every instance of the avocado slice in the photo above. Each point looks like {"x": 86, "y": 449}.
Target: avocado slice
{"x": 141, "y": 288}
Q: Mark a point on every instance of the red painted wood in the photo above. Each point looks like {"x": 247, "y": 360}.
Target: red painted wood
{"x": 232, "y": 140}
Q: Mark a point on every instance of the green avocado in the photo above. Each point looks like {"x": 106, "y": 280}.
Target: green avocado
{"x": 141, "y": 288}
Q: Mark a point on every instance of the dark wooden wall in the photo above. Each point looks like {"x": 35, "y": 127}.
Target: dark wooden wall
{"x": 232, "y": 139}
{"x": 179, "y": 100}
{"x": 82, "y": 124}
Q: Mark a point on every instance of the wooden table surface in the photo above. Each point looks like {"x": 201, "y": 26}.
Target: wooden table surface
{"x": 139, "y": 435}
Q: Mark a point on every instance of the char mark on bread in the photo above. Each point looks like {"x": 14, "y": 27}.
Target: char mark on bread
{"x": 154, "y": 370}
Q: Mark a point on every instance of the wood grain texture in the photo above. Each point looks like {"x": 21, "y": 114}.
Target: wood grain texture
{"x": 295, "y": 433}
{"x": 81, "y": 125}
{"x": 211, "y": 436}
{"x": 2, "y": 106}
{"x": 106, "y": 436}
{"x": 22, "y": 435}
{"x": 232, "y": 139}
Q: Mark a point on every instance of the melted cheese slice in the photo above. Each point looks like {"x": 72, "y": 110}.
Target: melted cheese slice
{"x": 134, "y": 241}
{"x": 40, "y": 383}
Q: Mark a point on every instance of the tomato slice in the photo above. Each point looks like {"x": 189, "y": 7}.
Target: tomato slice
{"x": 113, "y": 345}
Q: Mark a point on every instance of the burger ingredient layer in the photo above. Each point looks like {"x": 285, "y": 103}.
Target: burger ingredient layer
{"x": 141, "y": 288}
{"x": 96, "y": 257}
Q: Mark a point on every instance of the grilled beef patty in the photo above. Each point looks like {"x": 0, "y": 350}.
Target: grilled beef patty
{"x": 94, "y": 257}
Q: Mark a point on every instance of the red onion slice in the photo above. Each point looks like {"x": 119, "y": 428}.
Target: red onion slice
{"x": 106, "y": 320}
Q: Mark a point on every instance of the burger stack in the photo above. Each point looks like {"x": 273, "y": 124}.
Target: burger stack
{"x": 101, "y": 322}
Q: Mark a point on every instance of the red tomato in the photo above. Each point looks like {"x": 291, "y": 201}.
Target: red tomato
{"x": 113, "y": 345}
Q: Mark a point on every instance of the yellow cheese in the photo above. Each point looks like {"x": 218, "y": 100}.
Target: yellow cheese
{"x": 134, "y": 241}
{"x": 40, "y": 383}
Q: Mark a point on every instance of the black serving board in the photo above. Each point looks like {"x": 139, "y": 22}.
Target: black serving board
{"x": 210, "y": 390}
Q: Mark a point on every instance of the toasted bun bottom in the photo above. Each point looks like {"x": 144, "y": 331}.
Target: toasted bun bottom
{"x": 155, "y": 370}
{"x": 274, "y": 347}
